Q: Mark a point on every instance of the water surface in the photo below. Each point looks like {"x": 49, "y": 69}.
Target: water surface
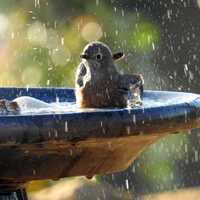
{"x": 33, "y": 106}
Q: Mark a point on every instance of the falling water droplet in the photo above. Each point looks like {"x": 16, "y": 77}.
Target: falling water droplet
{"x": 127, "y": 184}
{"x": 196, "y": 156}
{"x": 186, "y": 148}
{"x": 48, "y": 82}
{"x": 66, "y": 126}
{"x": 12, "y": 35}
{"x": 128, "y": 130}
{"x": 122, "y": 13}
{"x": 62, "y": 41}
{"x": 34, "y": 172}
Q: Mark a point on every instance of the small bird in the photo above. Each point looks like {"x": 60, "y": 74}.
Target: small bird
{"x": 98, "y": 84}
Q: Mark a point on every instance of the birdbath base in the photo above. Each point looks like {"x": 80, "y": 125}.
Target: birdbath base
{"x": 84, "y": 142}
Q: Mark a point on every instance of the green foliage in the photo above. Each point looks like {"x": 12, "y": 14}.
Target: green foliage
{"x": 46, "y": 37}
{"x": 144, "y": 36}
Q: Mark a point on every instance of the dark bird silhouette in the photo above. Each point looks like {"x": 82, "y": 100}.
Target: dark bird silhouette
{"x": 98, "y": 84}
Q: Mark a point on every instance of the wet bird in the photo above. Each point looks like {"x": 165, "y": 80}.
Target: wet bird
{"x": 98, "y": 84}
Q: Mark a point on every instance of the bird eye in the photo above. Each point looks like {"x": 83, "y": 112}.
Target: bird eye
{"x": 99, "y": 56}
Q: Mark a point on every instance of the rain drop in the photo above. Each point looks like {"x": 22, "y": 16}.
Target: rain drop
{"x": 66, "y": 126}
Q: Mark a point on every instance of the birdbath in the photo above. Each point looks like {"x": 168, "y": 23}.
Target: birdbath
{"x": 83, "y": 142}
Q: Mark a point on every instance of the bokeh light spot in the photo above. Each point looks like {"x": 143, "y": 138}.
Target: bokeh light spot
{"x": 4, "y": 23}
{"x": 8, "y": 79}
{"x": 60, "y": 56}
{"x": 198, "y": 3}
{"x": 18, "y": 19}
{"x": 53, "y": 40}
{"x": 31, "y": 76}
{"x": 73, "y": 41}
{"x": 92, "y": 31}
{"x": 37, "y": 34}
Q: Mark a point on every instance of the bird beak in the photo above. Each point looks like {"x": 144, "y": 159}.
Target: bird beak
{"x": 85, "y": 56}
{"x": 118, "y": 55}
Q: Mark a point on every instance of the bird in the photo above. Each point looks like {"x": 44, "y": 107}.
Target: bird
{"x": 98, "y": 84}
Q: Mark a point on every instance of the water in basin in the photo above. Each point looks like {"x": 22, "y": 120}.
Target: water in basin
{"x": 30, "y": 105}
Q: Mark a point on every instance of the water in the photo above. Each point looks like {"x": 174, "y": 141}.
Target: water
{"x": 33, "y": 106}
{"x": 164, "y": 98}
{"x": 151, "y": 99}
{"x": 30, "y": 105}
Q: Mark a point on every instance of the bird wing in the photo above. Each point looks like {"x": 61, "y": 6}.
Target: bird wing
{"x": 131, "y": 81}
{"x": 80, "y": 73}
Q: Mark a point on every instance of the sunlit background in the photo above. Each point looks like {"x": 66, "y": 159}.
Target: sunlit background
{"x": 40, "y": 43}
{"x": 41, "y": 40}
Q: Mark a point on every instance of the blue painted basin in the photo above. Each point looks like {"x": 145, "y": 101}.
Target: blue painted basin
{"x": 90, "y": 141}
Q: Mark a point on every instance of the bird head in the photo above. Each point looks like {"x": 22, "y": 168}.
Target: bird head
{"x": 99, "y": 54}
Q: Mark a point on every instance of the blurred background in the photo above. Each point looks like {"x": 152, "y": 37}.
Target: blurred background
{"x": 40, "y": 43}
